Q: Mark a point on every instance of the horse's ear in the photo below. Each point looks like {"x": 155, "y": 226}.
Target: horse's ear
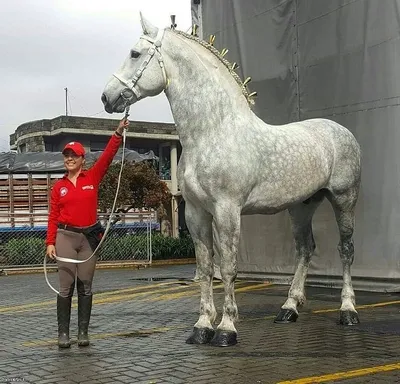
{"x": 148, "y": 28}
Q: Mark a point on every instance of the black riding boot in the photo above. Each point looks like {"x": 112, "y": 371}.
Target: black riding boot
{"x": 84, "y": 311}
{"x": 63, "y": 318}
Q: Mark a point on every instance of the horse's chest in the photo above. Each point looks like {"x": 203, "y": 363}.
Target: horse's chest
{"x": 191, "y": 181}
{"x": 196, "y": 181}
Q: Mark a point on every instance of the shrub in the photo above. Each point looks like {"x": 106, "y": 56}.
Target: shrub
{"x": 134, "y": 247}
{"x": 127, "y": 247}
{"x": 25, "y": 251}
{"x": 31, "y": 251}
{"x": 172, "y": 248}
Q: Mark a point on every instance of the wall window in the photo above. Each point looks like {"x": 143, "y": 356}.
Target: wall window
{"x": 97, "y": 145}
{"x": 48, "y": 147}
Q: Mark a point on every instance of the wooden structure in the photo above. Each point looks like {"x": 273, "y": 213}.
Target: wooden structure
{"x": 25, "y": 198}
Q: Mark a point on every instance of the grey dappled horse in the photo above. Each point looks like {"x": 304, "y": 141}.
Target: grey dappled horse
{"x": 235, "y": 164}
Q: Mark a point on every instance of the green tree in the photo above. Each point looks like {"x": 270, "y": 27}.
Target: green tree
{"x": 140, "y": 187}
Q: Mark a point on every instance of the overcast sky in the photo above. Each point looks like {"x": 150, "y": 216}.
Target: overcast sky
{"x": 47, "y": 45}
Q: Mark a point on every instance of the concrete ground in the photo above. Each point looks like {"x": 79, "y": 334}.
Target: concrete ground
{"x": 141, "y": 319}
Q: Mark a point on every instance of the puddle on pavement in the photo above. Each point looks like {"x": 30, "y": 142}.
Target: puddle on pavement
{"x": 181, "y": 281}
{"x": 139, "y": 333}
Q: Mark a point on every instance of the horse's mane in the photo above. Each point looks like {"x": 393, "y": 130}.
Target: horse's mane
{"x": 219, "y": 56}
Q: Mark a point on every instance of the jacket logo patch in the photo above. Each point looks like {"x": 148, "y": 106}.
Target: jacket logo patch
{"x": 63, "y": 191}
{"x": 88, "y": 187}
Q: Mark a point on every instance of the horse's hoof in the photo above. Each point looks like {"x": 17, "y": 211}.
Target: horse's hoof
{"x": 200, "y": 336}
{"x": 348, "y": 318}
{"x": 224, "y": 338}
{"x": 286, "y": 316}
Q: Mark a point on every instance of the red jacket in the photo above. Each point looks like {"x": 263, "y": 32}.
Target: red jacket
{"x": 77, "y": 206}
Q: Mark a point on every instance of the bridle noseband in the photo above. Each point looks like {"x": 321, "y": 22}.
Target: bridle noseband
{"x": 155, "y": 49}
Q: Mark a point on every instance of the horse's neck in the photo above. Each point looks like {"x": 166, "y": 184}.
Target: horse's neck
{"x": 202, "y": 93}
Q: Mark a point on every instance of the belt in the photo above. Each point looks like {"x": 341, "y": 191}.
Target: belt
{"x": 73, "y": 229}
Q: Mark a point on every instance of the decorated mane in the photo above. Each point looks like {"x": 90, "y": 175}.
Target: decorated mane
{"x": 220, "y": 55}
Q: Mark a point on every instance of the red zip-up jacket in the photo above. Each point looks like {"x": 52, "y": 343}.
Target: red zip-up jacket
{"x": 77, "y": 205}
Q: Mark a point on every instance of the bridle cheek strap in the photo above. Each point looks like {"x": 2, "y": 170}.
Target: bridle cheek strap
{"x": 155, "y": 49}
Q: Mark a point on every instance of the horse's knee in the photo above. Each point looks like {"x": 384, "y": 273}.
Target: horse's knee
{"x": 228, "y": 272}
{"x": 202, "y": 275}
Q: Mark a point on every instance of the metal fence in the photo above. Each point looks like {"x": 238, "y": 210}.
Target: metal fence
{"x": 22, "y": 238}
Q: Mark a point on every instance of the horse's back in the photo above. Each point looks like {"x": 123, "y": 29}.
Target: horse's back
{"x": 326, "y": 128}
{"x": 335, "y": 146}
{"x": 329, "y": 134}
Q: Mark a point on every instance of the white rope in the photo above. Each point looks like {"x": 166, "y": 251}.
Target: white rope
{"x": 108, "y": 222}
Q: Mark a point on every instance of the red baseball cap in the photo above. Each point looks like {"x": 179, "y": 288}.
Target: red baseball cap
{"x": 76, "y": 147}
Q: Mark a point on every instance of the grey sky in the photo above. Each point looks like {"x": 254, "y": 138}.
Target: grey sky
{"x": 47, "y": 45}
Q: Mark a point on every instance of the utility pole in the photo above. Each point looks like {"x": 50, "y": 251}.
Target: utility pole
{"x": 66, "y": 101}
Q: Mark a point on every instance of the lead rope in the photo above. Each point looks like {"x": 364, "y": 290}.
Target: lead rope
{"x": 109, "y": 219}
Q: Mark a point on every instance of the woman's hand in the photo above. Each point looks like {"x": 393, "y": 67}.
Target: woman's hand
{"x": 51, "y": 251}
{"x": 123, "y": 124}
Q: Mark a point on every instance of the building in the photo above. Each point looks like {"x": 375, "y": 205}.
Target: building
{"x": 51, "y": 135}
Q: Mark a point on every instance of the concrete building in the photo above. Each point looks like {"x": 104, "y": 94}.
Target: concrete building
{"x": 51, "y": 135}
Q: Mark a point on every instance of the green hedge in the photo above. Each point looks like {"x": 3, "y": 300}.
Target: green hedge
{"x": 172, "y": 248}
{"x": 31, "y": 251}
{"x": 125, "y": 247}
{"x": 130, "y": 247}
{"x": 25, "y": 251}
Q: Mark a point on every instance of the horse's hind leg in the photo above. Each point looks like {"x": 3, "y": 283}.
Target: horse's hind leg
{"x": 344, "y": 207}
{"x": 301, "y": 217}
{"x": 199, "y": 223}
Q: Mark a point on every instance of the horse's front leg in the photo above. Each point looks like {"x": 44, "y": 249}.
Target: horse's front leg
{"x": 199, "y": 223}
{"x": 227, "y": 234}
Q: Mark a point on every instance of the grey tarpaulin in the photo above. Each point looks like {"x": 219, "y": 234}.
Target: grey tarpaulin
{"x": 11, "y": 162}
{"x": 337, "y": 59}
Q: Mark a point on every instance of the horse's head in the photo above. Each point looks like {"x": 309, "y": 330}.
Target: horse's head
{"x": 142, "y": 73}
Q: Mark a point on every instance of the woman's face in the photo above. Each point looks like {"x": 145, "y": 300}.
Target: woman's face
{"x": 72, "y": 161}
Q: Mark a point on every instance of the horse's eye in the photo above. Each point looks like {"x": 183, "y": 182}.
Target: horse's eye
{"x": 134, "y": 54}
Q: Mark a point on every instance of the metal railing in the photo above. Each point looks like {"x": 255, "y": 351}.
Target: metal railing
{"x": 22, "y": 238}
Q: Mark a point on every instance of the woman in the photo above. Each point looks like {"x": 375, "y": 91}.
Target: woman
{"x": 72, "y": 216}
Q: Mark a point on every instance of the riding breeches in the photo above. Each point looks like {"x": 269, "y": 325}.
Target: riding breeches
{"x": 74, "y": 245}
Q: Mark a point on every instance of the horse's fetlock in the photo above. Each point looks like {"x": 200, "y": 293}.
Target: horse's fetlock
{"x": 298, "y": 296}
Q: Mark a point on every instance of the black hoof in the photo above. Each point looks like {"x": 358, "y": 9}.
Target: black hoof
{"x": 200, "y": 336}
{"x": 224, "y": 338}
{"x": 348, "y": 318}
{"x": 286, "y": 316}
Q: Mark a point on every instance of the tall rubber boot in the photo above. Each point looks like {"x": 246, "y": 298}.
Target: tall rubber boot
{"x": 63, "y": 319}
{"x": 84, "y": 311}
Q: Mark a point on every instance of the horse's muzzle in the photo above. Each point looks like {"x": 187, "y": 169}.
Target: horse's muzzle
{"x": 107, "y": 106}
{"x": 119, "y": 105}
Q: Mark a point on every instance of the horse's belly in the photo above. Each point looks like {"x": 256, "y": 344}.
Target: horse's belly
{"x": 264, "y": 200}
{"x": 260, "y": 210}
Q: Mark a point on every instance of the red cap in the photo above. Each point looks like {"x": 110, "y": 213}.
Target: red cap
{"x": 76, "y": 147}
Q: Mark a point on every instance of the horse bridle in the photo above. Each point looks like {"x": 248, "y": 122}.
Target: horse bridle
{"x": 155, "y": 49}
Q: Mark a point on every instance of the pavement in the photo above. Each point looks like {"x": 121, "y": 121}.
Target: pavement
{"x": 142, "y": 317}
